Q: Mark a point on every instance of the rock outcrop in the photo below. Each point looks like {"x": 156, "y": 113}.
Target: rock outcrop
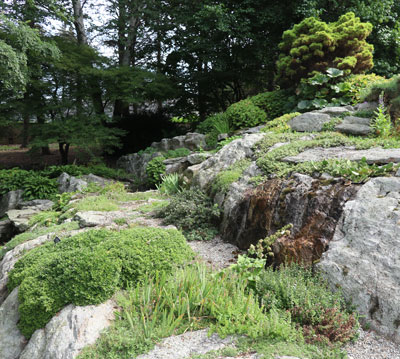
{"x": 69, "y": 332}
{"x": 191, "y": 141}
{"x": 364, "y": 255}
{"x": 312, "y": 205}
{"x": 10, "y": 200}
{"x": 67, "y": 183}
{"x": 12, "y": 342}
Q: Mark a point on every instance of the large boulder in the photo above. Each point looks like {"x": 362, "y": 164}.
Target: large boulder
{"x": 364, "y": 255}
{"x": 355, "y": 126}
{"x": 10, "y": 200}
{"x": 309, "y": 122}
{"x": 136, "y": 164}
{"x": 67, "y": 183}
{"x": 67, "y": 333}
{"x": 12, "y": 342}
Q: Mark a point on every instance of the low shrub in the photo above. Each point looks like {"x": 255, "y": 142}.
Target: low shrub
{"x": 245, "y": 114}
{"x": 193, "y": 212}
{"x": 210, "y": 123}
{"x": 74, "y": 170}
{"x": 274, "y": 103}
{"x": 310, "y": 302}
{"x": 89, "y": 267}
{"x": 179, "y": 152}
{"x": 154, "y": 169}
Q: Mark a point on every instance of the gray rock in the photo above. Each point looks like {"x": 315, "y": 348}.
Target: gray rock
{"x": 67, "y": 333}
{"x": 192, "y": 141}
{"x": 372, "y": 155}
{"x": 37, "y": 204}
{"x": 20, "y": 217}
{"x": 197, "y": 157}
{"x": 91, "y": 178}
{"x": 222, "y": 136}
{"x": 355, "y": 126}
{"x": 176, "y": 165}
{"x": 136, "y": 163}
{"x": 366, "y": 106}
{"x": 364, "y": 255}
{"x": 93, "y": 219}
{"x": 309, "y": 122}
{"x": 203, "y": 174}
{"x": 12, "y": 256}
{"x": 9, "y": 201}
{"x": 185, "y": 345}
{"x": 12, "y": 342}
{"x": 252, "y": 129}
{"x": 398, "y": 173}
{"x": 335, "y": 110}
{"x": 67, "y": 183}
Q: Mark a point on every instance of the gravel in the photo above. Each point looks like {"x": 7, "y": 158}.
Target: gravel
{"x": 372, "y": 346}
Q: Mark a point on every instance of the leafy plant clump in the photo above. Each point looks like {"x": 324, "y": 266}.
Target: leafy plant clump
{"x": 171, "y": 184}
{"x": 155, "y": 169}
{"x": 274, "y": 103}
{"x": 381, "y": 122}
{"x": 193, "y": 213}
{"x": 280, "y": 124}
{"x": 88, "y": 268}
{"x": 321, "y": 314}
{"x": 313, "y": 45}
{"x": 245, "y": 114}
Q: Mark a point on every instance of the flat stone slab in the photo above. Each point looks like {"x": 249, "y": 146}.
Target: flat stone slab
{"x": 372, "y": 155}
{"x": 355, "y": 126}
{"x": 336, "y": 110}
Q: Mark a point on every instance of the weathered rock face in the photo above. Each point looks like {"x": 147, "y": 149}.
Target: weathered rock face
{"x": 12, "y": 342}
{"x": 311, "y": 205}
{"x": 10, "y": 200}
{"x": 67, "y": 183}
{"x": 204, "y": 173}
{"x": 364, "y": 254}
{"x": 7, "y": 230}
{"x": 69, "y": 332}
{"x": 309, "y": 122}
{"x": 191, "y": 141}
{"x": 136, "y": 163}
{"x": 372, "y": 155}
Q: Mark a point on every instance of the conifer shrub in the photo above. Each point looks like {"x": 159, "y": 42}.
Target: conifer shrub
{"x": 89, "y": 267}
{"x": 245, "y": 114}
{"x": 313, "y": 45}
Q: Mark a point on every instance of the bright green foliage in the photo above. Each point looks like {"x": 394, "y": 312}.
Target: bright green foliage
{"x": 171, "y": 184}
{"x": 154, "y": 169}
{"x": 34, "y": 185}
{"x": 274, "y": 103}
{"x": 245, "y": 114}
{"x": 179, "y": 152}
{"x": 313, "y": 45}
{"x": 280, "y": 124}
{"x": 381, "y": 122}
{"x": 89, "y": 267}
{"x": 321, "y": 313}
{"x": 194, "y": 213}
{"x": 213, "y": 123}
{"x": 224, "y": 179}
{"x": 357, "y": 84}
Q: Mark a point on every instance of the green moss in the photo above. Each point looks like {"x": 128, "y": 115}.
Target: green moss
{"x": 89, "y": 267}
{"x": 153, "y": 206}
{"x": 224, "y": 179}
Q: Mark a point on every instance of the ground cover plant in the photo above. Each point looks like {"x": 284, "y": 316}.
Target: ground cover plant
{"x": 193, "y": 212}
{"x": 271, "y": 161}
{"x": 89, "y": 267}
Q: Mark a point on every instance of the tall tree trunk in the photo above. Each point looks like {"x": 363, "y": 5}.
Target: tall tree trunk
{"x": 26, "y": 119}
{"x": 64, "y": 149}
{"x": 45, "y": 149}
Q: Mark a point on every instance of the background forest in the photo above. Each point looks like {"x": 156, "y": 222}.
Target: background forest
{"x": 114, "y": 72}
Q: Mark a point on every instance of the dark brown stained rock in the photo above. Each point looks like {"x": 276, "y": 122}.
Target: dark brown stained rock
{"x": 313, "y": 206}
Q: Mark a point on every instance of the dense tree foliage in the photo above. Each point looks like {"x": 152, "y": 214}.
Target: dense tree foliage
{"x": 141, "y": 62}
